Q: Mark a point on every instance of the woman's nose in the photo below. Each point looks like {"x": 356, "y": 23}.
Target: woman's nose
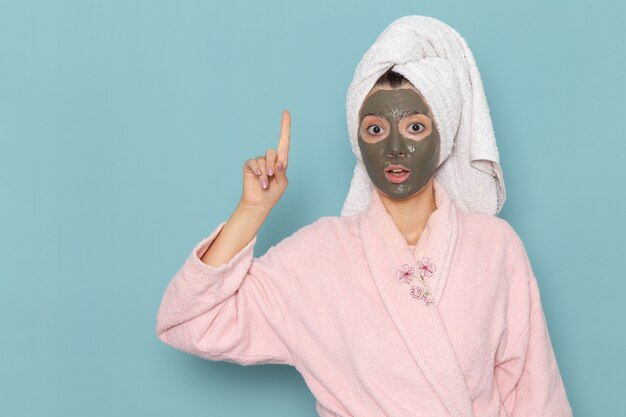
{"x": 396, "y": 148}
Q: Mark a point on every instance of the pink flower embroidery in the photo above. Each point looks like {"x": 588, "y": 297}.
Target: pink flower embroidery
{"x": 426, "y": 267}
{"x": 405, "y": 273}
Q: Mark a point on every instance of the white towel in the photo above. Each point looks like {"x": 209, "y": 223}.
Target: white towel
{"x": 437, "y": 61}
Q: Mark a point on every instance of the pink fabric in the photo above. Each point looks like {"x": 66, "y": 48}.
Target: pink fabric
{"x": 451, "y": 327}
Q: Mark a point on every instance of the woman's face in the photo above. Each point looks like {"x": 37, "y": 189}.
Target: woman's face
{"x": 397, "y": 133}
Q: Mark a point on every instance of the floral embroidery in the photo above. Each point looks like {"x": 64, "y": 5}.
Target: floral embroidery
{"x": 420, "y": 294}
{"x": 406, "y": 273}
{"x": 426, "y": 267}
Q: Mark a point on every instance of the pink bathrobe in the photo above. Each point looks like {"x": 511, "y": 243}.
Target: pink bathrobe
{"x": 451, "y": 327}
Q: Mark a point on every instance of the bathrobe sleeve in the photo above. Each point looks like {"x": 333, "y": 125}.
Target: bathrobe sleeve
{"x": 239, "y": 312}
{"x": 526, "y": 368}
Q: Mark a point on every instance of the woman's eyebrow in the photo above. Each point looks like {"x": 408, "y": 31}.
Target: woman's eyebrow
{"x": 411, "y": 113}
{"x": 404, "y": 114}
{"x": 376, "y": 113}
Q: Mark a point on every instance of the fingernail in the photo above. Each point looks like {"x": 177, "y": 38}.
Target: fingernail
{"x": 270, "y": 171}
{"x": 280, "y": 166}
{"x": 258, "y": 171}
{"x": 264, "y": 183}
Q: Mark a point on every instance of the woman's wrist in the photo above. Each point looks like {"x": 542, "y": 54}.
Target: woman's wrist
{"x": 248, "y": 219}
{"x": 252, "y": 211}
{"x": 239, "y": 230}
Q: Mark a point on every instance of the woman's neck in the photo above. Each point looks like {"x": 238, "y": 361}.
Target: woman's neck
{"x": 411, "y": 215}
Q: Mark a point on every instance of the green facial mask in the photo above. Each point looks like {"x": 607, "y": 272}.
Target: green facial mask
{"x": 406, "y": 143}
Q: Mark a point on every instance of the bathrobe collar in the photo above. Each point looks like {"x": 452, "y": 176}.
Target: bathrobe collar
{"x": 413, "y": 303}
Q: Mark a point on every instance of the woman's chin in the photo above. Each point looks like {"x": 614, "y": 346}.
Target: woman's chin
{"x": 399, "y": 195}
{"x": 402, "y": 192}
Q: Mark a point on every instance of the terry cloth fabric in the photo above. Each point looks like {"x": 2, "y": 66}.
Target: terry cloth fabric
{"x": 452, "y": 327}
{"x": 438, "y": 62}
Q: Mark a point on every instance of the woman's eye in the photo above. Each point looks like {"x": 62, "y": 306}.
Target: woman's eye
{"x": 415, "y": 127}
{"x": 374, "y": 130}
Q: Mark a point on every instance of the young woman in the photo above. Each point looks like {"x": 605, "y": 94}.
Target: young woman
{"x": 417, "y": 300}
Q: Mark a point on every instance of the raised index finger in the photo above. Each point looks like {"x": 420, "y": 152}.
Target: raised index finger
{"x": 283, "y": 143}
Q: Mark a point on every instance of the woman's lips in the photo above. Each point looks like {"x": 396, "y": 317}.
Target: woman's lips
{"x": 398, "y": 177}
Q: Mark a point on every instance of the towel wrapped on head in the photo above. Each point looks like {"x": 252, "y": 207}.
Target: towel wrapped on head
{"x": 437, "y": 61}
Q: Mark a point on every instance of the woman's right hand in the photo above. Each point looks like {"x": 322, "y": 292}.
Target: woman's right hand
{"x": 265, "y": 177}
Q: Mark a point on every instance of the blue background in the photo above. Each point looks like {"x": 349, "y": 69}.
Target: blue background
{"x": 124, "y": 126}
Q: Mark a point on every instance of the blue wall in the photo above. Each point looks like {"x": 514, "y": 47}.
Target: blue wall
{"x": 123, "y": 129}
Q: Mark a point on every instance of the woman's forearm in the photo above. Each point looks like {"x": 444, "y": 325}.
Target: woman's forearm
{"x": 238, "y": 231}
